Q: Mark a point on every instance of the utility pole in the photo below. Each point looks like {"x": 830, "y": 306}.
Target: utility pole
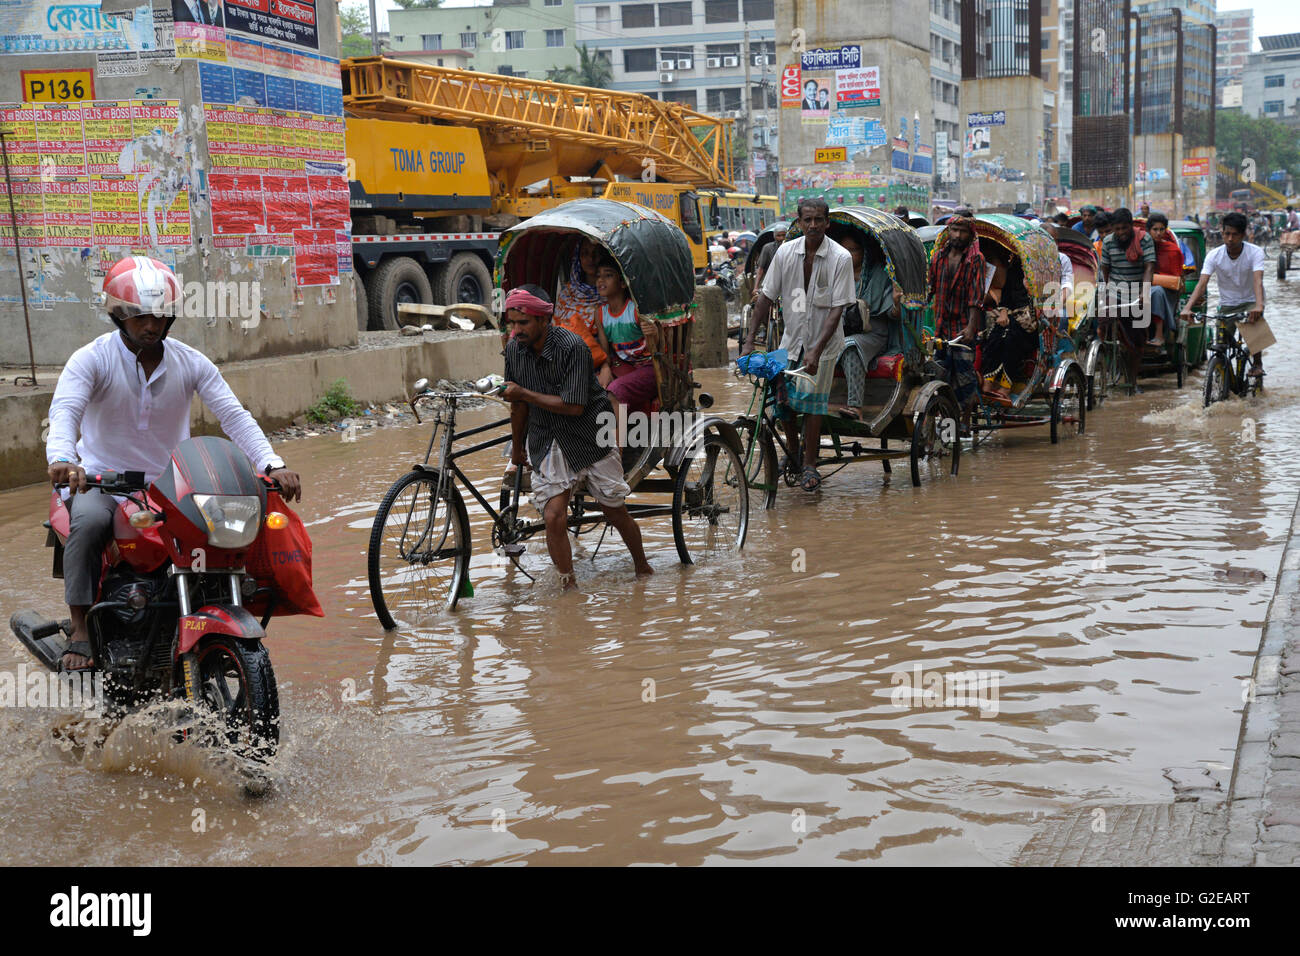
{"x": 374, "y": 30}
{"x": 747, "y": 102}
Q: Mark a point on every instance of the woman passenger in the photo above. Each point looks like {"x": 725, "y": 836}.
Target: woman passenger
{"x": 1013, "y": 332}
{"x": 877, "y": 304}
{"x": 577, "y": 305}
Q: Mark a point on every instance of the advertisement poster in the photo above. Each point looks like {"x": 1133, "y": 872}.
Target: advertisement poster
{"x": 288, "y": 203}
{"x": 285, "y": 21}
{"x": 115, "y": 211}
{"x": 996, "y": 118}
{"x": 330, "y": 207}
{"x": 857, "y": 88}
{"x": 28, "y": 213}
{"x": 167, "y": 224}
{"x": 67, "y": 212}
{"x": 19, "y": 119}
{"x": 816, "y": 101}
{"x": 316, "y": 257}
{"x": 977, "y": 141}
{"x": 156, "y": 118}
{"x": 845, "y": 58}
{"x": 237, "y": 205}
{"x": 198, "y": 42}
{"x": 62, "y": 145}
{"x": 47, "y": 26}
{"x": 791, "y": 87}
{"x": 107, "y": 126}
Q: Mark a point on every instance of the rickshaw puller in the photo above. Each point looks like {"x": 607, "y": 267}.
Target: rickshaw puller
{"x": 555, "y": 415}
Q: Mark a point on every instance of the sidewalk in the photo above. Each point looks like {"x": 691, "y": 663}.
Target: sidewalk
{"x": 1264, "y": 798}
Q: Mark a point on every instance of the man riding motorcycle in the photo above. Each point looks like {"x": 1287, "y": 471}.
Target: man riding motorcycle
{"x": 122, "y": 403}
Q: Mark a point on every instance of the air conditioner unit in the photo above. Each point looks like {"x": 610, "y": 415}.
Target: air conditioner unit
{"x": 665, "y": 77}
{"x": 731, "y": 61}
{"x": 683, "y": 64}
{"x": 761, "y": 60}
{"x": 665, "y": 64}
{"x": 713, "y": 62}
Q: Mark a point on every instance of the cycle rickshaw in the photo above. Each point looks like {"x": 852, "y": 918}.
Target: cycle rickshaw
{"x": 1050, "y": 388}
{"x": 902, "y": 402}
{"x": 420, "y": 543}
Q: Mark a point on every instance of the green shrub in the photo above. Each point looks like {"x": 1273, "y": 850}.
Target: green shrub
{"x": 338, "y": 398}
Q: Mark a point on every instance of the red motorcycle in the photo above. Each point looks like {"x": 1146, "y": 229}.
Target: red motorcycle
{"x": 173, "y": 617}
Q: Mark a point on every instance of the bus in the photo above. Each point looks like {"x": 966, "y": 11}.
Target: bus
{"x": 741, "y": 212}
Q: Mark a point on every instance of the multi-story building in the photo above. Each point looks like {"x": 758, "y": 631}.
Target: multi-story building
{"x": 945, "y": 87}
{"x": 1236, "y": 37}
{"x": 1051, "y": 66}
{"x": 1270, "y": 80}
{"x": 1063, "y": 67}
{"x": 1003, "y": 99}
{"x": 515, "y": 37}
{"x": 715, "y": 56}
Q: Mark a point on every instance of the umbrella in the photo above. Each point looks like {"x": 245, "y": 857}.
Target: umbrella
{"x": 746, "y": 235}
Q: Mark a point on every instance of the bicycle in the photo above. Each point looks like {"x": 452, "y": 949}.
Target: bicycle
{"x": 1225, "y": 370}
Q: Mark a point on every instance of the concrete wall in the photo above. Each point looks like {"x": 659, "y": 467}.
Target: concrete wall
{"x": 896, "y": 38}
{"x": 289, "y": 319}
{"x": 709, "y": 336}
{"x": 1012, "y": 172}
{"x": 1159, "y": 151}
{"x": 274, "y": 390}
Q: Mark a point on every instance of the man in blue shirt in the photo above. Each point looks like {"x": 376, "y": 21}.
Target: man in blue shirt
{"x": 1086, "y": 224}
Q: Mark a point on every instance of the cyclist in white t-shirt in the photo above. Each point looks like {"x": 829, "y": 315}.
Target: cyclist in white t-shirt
{"x": 1239, "y": 267}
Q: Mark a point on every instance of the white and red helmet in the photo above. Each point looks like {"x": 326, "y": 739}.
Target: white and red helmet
{"x": 139, "y": 285}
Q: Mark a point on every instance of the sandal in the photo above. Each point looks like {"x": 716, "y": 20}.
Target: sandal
{"x": 81, "y": 648}
{"x": 811, "y": 479}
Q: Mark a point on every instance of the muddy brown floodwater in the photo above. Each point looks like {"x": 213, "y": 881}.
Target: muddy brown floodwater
{"x": 1112, "y": 587}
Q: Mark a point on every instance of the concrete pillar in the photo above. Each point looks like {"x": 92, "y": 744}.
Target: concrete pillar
{"x": 709, "y": 334}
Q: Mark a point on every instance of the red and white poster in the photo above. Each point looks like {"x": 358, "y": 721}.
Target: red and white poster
{"x": 316, "y": 257}
{"x": 288, "y": 203}
{"x": 791, "y": 87}
{"x": 237, "y": 204}
{"x": 330, "y": 207}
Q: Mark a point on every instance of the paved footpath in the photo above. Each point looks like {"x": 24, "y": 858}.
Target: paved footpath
{"x": 1264, "y": 797}
{"x": 1257, "y": 822}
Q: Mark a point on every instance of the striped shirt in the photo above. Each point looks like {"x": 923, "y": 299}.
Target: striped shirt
{"x": 563, "y": 368}
{"x": 1116, "y": 257}
{"x": 624, "y": 334}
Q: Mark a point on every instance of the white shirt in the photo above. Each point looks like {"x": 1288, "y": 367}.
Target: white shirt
{"x": 1236, "y": 276}
{"x": 830, "y": 285}
{"x": 125, "y": 423}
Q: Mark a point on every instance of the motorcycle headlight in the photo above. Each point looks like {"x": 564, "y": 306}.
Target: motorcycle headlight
{"x": 233, "y": 520}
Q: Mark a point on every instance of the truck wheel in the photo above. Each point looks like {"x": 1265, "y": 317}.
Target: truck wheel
{"x": 397, "y": 280}
{"x": 465, "y": 279}
{"x": 363, "y": 308}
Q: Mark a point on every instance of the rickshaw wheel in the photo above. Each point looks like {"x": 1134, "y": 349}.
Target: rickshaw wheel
{"x": 939, "y": 419}
{"x": 710, "y": 501}
{"x": 418, "y": 559}
{"x": 760, "y": 459}
{"x": 1069, "y": 401}
{"x": 1180, "y": 363}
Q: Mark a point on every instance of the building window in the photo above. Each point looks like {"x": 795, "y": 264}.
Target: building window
{"x": 639, "y": 61}
{"x": 685, "y": 97}
{"x": 1277, "y": 79}
{"x": 721, "y": 101}
{"x": 677, "y": 56}
{"x": 721, "y": 11}
{"x": 638, "y": 16}
{"x": 602, "y": 18}
{"x": 514, "y": 39}
{"x": 552, "y": 3}
{"x": 431, "y": 41}
{"x": 1273, "y": 106}
{"x": 469, "y": 41}
{"x": 505, "y": 69}
{"x": 555, "y": 38}
{"x": 758, "y": 10}
{"x": 675, "y": 14}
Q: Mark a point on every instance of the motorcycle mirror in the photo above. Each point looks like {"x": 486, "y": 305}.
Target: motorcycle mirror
{"x": 421, "y": 384}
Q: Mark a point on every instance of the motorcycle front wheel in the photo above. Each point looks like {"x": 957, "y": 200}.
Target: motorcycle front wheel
{"x": 237, "y": 686}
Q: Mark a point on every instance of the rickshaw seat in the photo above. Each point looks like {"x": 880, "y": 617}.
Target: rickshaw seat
{"x": 885, "y": 366}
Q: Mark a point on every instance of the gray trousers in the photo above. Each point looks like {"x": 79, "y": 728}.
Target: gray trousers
{"x": 90, "y": 530}
{"x": 855, "y": 362}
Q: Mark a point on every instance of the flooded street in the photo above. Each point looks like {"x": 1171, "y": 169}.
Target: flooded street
{"x": 1112, "y": 587}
